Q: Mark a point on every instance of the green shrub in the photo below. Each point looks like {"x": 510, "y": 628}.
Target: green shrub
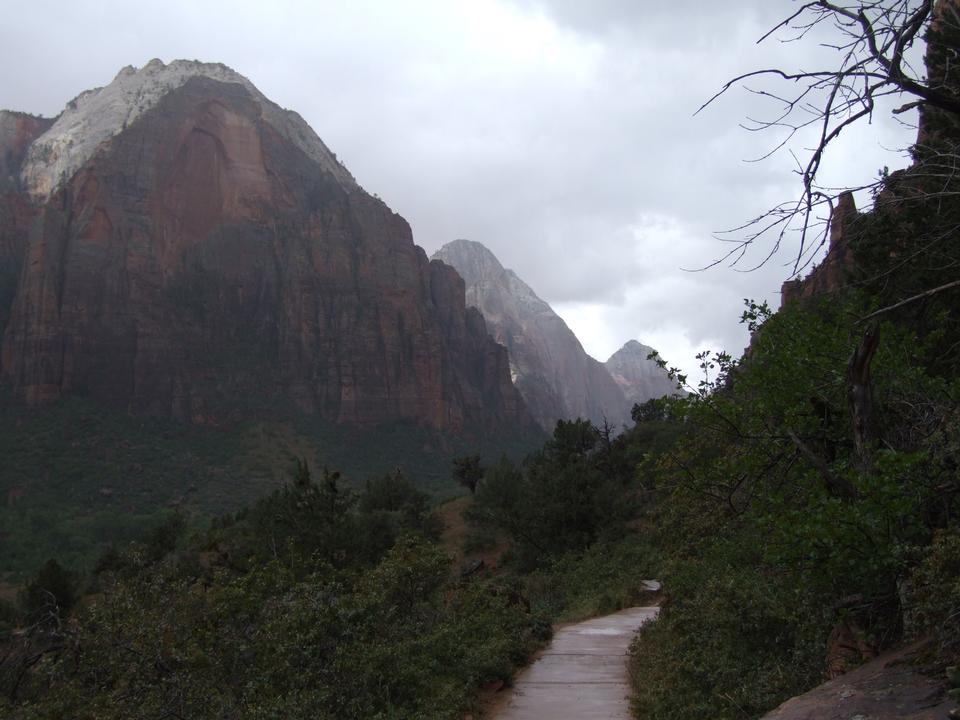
{"x": 731, "y": 643}
{"x": 934, "y": 593}
{"x": 605, "y": 578}
{"x": 396, "y": 641}
{"x": 52, "y": 591}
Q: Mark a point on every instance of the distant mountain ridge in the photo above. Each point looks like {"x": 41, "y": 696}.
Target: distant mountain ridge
{"x": 549, "y": 366}
{"x": 638, "y": 377}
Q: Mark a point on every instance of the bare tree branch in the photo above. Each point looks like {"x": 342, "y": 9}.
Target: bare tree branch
{"x": 919, "y": 296}
{"x": 873, "y": 42}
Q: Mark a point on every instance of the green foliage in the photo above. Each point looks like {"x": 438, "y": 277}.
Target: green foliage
{"x": 653, "y": 410}
{"x": 393, "y": 492}
{"x": 77, "y": 478}
{"x": 162, "y": 540}
{"x": 391, "y": 642}
{"x": 770, "y": 444}
{"x": 732, "y": 642}
{"x": 286, "y": 611}
{"x": 773, "y": 513}
{"x": 468, "y": 472}
{"x": 52, "y": 591}
{"x": 563, "y": 497}
{"x": 934, "y": 595}
{"x": 602, "y": 579}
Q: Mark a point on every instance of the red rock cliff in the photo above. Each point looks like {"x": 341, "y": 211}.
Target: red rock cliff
{"x": 17, "y": 132}
{"x": 208, "y": 261}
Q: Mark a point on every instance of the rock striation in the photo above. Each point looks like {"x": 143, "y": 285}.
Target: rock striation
{"x": 196, "y": 251}
{"x": 556, "y": 377}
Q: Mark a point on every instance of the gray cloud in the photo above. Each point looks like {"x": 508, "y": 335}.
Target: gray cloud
{"x": 559, "y": 133}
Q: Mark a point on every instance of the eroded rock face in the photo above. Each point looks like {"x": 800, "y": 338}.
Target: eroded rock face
{"x": 890, "y": 687}
{"x": 830, "y": 275}
{"x": 17, "y": 132}
{"x": 557, "y": 378}
{"x": 639, "y": 378}
{"x": 203, "y": 262}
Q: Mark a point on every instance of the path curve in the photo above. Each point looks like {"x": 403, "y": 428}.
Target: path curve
{"x": 582, "y": 675}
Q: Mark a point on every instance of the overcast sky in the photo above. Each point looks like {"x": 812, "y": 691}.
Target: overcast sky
{"x": 560, "y": 133}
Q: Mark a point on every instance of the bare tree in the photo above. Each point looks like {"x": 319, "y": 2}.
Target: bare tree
{"x": 874, "y": 42}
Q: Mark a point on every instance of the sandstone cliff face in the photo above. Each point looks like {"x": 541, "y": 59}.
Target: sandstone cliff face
{"x": 556, "y": 377}
{"x": 639, "y": 378}
{"x": 17, "y": 132}
{"x": 208, "y": 256}
{"x": 830, "y": 275}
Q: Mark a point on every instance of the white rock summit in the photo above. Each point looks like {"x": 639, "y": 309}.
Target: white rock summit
{"x": 97, "y": 115}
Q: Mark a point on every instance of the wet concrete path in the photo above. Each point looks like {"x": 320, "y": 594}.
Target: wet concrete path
{"x": 582, "y": 675}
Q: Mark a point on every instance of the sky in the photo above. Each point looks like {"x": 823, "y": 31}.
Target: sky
{"x": 562, "y": 134}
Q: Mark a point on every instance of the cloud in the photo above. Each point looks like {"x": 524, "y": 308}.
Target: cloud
{"x": 559, "y": 133}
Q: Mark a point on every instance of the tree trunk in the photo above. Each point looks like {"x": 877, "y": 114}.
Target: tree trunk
{"x": 860, "y": 395}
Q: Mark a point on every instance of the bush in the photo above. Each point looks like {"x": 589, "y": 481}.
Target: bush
{"x": 933, "y": 597}
{"x": 731, "y": 643}
{"x": 396, "y": 640}
{"x": 605, "y": 578}
{"x": 53, "y": 590}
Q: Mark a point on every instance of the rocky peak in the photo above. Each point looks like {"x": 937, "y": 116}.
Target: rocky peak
{"x": 557, "y": 378}
{"x": 474, "y": 261}
{"x": 17, "y": 132}
{"x": 97, "y": 115}
{"x": 639, "y": 377}
{"x": 486, "y": 278}
{"x": 204, "y": 256}
{"x": 633, "y": 356}
{"x": 829, "y": 275}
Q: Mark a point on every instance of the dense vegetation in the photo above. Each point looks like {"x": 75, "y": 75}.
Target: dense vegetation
{"x": 782, "y": 531}
{"x": 316, "y": 602}
{"x": 77, "y": 478}
{"x": 801, "y": 504}
{"x": 811, "y": 503}
{"x": 789, "y": 525}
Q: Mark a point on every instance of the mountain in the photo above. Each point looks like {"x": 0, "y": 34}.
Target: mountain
{"x": 556, "y": 377}
{"x": 17, "y": 133}
{"x": 197, "y": 252}
{"x": 638, "y": 377}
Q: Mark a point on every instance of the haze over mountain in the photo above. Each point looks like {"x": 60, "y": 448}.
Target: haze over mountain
{"x": 190, "y": 249}
{"x": 638, "y": 377}
{"x": 556, "y": 377}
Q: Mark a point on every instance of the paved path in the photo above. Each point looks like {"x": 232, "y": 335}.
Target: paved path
{"x": 582, "y": 675}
